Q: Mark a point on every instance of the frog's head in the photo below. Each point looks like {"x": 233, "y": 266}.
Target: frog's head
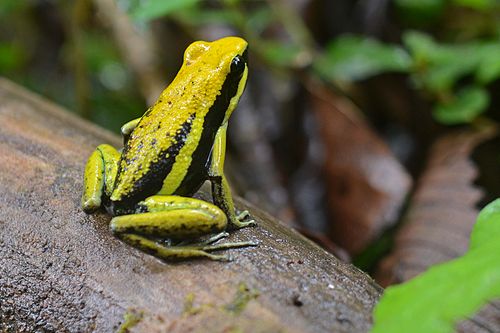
{"x": 224, "y": 64}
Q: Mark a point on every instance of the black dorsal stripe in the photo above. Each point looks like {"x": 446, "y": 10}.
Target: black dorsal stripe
{"x": 197, "y": 172}
{"x": 152, "y": 181}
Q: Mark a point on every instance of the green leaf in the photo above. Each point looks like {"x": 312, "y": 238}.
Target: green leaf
{"x": 98, "y": 51}
{"x": 467, "y": 105}
{"x": 489, "y": 66}
{"x": 420, "y": 44}
{"x": 476, "y": 4}
{"x": 279, "y": 54}
{"x": 149, "y": 10}
{"x": 12, "y": 57}
{"x": 199, "y": 16}
{"x": 439, "y": 66}
{"x": 436, "y": 300}
{"x": 351, "y": 58}
{"x": 260, "y": 19}
{"x": 487, "y": 228}
{"x": 420, "y": 6}
{"x": 8, "y": 7}
{"x": 420, "y": 12}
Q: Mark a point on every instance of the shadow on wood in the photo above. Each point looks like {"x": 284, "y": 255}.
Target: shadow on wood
{"x": 62, "y": 270}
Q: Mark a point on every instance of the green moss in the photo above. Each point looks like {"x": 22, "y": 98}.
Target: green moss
{"x": 131, "y": 318}
{"x": 236, "y": 306}
{"x": 241, "y": 299}
{"x": 189, "y": 308}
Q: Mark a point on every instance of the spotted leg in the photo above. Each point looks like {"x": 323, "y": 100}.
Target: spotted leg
{"x": 100, "y": 174}
{"x": 174, "y": 218}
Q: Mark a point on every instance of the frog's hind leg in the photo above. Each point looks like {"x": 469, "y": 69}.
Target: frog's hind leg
{"x": 99, "y": 177}
{"x": 175, "y": 218}
{"x": 159, "y": 250}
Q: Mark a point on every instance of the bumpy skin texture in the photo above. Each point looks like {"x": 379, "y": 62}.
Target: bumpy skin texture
{"x": 168, "y": 150}
{"x": 177, "y": 144}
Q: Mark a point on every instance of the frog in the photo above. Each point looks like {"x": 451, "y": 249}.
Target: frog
{"x": 168, "y": 153}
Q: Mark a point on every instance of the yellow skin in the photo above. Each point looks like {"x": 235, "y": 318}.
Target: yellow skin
{"x": 168, "y": 153}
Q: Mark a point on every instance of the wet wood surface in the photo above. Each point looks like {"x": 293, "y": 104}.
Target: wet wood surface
{"x": 62, "y": 270}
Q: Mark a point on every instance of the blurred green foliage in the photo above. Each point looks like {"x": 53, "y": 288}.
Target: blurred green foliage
{"x": 454, "y": 68}
{"x": 435, "y": 5}
{"x": 148, "y": 10}
{"x": 351, "y": 58}
{"x": 39, "y": 49}
{"x": 446, "y": 293}
{"x": 464, "y": 107}
{"x": 435, "y": 68}
{"x": 11, "y": 57}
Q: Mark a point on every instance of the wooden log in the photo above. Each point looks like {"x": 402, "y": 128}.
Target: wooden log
{"x": 62, "y": 270}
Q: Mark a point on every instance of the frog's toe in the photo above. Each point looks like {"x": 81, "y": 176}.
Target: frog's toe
{"x": 244, "y": 224}
{"x": 216, "y": 237}
{"x": 218, "y": 257}
{"x": 225, "y": 258}
{"x": 251, "y": 243}
{"x": 243, "y": 215}
{"x": 91, "y": 205}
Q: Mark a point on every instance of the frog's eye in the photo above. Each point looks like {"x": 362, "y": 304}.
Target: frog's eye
{"x": 237, "y": 64}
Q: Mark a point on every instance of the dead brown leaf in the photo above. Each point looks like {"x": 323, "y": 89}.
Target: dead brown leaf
{"x": 442, "y": 211}
{"x": 441, "y": 216}
{"x": 366, "y": 184}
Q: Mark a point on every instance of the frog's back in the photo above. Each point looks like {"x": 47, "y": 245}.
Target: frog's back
{"x": 167, "y": 152}
{"x": 164, "y": 148}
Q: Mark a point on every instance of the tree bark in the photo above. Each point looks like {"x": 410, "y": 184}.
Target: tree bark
{"x": 62, "y": 270}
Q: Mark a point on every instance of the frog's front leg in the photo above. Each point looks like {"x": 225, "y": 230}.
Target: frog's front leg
{"x": 99, "y": 177}
{"x": 173, "y": 218}
{"x": 220, "y": 188}
{"x": 128, "y": 128}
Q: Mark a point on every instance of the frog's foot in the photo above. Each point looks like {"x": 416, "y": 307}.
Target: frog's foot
{"x": 100, "y": 173}
{"x": 244, "y": 224}
{"x": 239, "y": 221}
{"x": 230, "y": 245}
{"x": 210, "y": 240}
{"x": 243, "y": 215}
{"x": 215, "y": 238}
{"x": 181, "y": 252}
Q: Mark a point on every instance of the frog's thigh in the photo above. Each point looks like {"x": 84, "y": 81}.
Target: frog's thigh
{"x": 172, "y": 217}
{"x": 100, "y": 172}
